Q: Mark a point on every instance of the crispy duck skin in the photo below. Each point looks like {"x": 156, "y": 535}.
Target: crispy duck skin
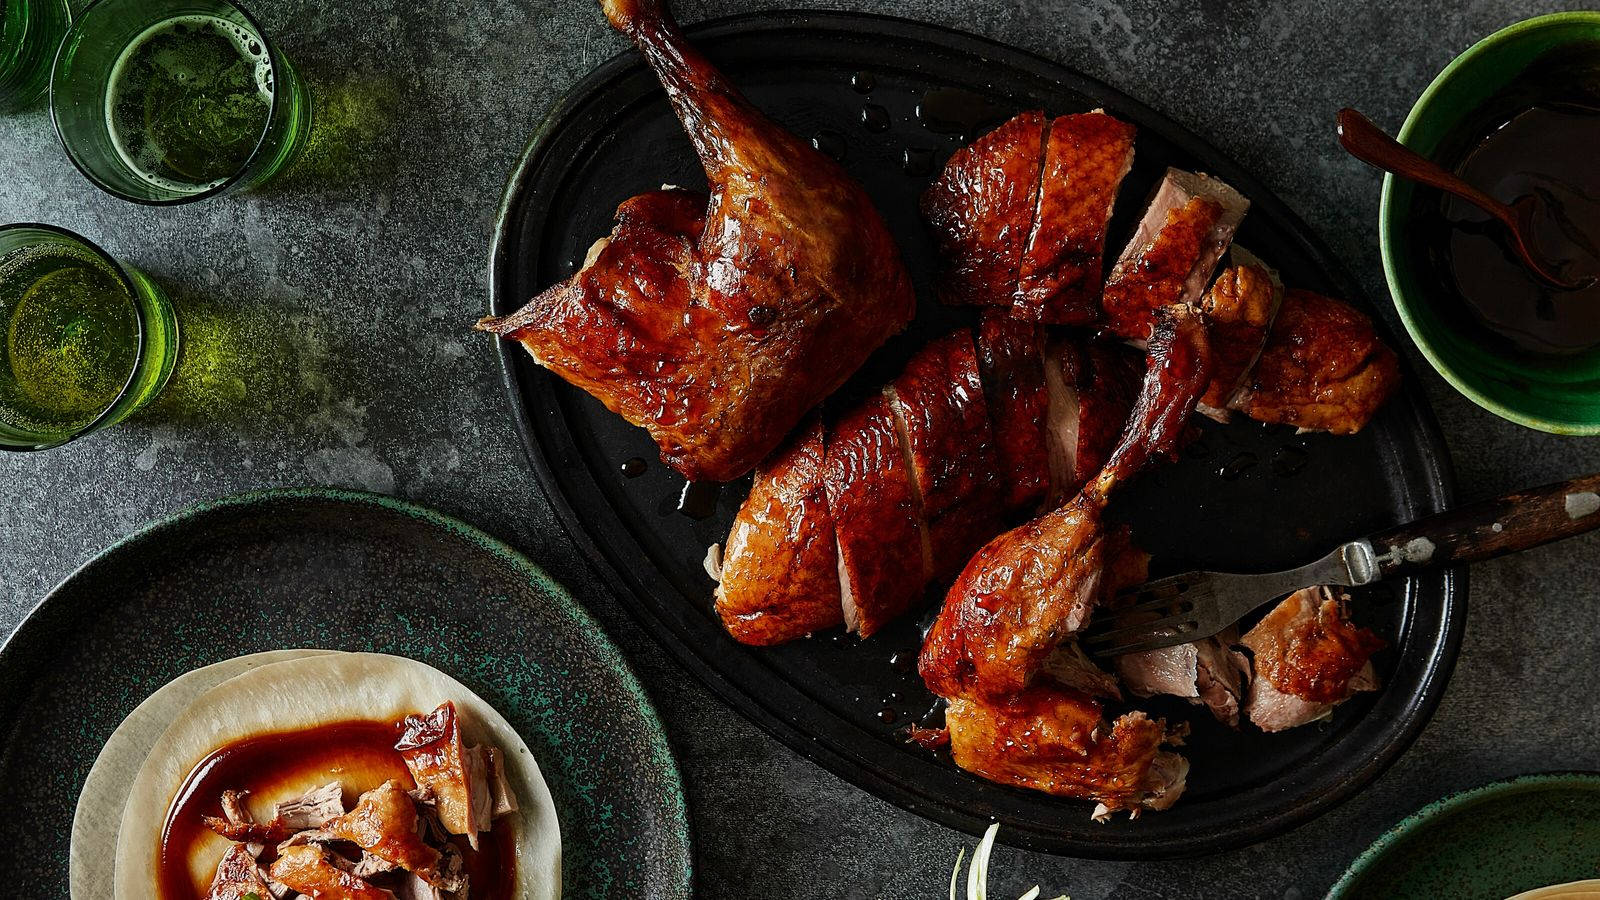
{"x": 780, "y": 576}
{"x": 1323, "y": 368}
{"x": 981, "y": 211}
{"x": 868, "y": 482}
{"x": 306, "y": 868}
{"x": 719, "y": 337}
{"x": 238, "y": 876}
{"x": 1308, "y": 658}
{"x": 1240, "y": 308}
{"x": 1012, "y": 372}
{"x": 457, "y": 775}
{"x": 1032, "y": 587}
{"x": 384, "y": 823}
{"x": 939, "y": 407}
{"x": 1054, "y": 739}
{"x": 1063, "y": 265}
{"x": 1186, "y": 228}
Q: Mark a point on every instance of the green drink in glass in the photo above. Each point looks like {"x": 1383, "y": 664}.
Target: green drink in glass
{"x": 87, "y": 341}
{"x": 30, "y": 32}
{"x": 167, "y": 101}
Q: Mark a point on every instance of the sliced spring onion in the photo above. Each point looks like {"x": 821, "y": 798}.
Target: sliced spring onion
{"x": 978, "y": 871}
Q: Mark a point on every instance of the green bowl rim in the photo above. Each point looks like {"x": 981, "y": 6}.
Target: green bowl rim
{"x": 1387, "y": 236}
{"x": 1440, "y": 808}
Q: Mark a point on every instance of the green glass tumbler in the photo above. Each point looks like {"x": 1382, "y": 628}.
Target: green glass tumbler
{"x": 88, "y": 341}
{"x": 170, "y": 101}
{"x": 30, "y": 32}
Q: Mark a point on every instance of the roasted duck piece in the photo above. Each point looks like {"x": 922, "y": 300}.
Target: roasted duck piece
{"x": 981, "y": 211}
{"x": 1323, "y": 368}
{"x": 1206, "y": 672}
{"x": 1030, "y": 588}
{"x": 1308, "y": 658}
{"x": 465, "y": 782}
{"x": 384, "y": 823}
{"x": 1186, "y": 228}
{"x": 991, "y": 649}
{"x": 1013, "y": 376}
{"x": 1056, "y": 740}
{"x": 1020, "y": 215}
{"x": 1240, "y": 308}
{"x": 940, "y": 410}
{"x": 1092, "y": 388}
{"x": 717, "y": 323}
{"x": 239, "y": 876}
{"x": 309, "y": 869}
{"x": 868, "y": 481}
{"x": 780, "y": 573}
{"x": 1063, "y": 267}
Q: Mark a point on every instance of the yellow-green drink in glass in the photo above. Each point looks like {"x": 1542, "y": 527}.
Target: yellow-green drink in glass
{"x": 167, "y": 101}
{"x": 87, "y": 341}
{"x": 30, "y": 32}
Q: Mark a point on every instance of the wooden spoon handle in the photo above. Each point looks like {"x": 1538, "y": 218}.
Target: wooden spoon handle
{"x": 1491, "y": 528}
{"x": 1370, "y": 144}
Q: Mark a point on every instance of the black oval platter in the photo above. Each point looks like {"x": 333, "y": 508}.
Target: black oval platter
{"x": 1244, "y": 497}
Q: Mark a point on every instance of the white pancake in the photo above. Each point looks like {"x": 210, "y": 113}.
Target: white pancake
{"x": 105, "y": 791}
{"x": 307, "y": 691}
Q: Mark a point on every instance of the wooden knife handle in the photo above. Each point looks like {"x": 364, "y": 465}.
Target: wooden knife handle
{"x": 1491, "y": 528}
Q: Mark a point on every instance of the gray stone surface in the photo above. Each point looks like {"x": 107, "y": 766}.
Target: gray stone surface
{"x": 329, "y": 310}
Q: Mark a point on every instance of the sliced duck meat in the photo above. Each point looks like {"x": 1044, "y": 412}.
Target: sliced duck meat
{"x": 1323, "y": 368}
{"x": 981, "y": 211}
{"x": 1186, "y": 228}
{"x": 1070, "y": 667}
{"x": 1308, "y": 657}
{"x": 1086, "y": 157}
{"x": 939, "y": 408}
{"x": 384, "y": 823}
{"x": 312, "y": 809}
{"x": 1240, "y": 307}
{"x": 457, "y": 775}
{"x": 1205, "y": 672}
{"x": 239, "y": 876}
{"x": 780, "y": 572}
{"x": 501, "y": 798}
{"x": 1091, "y": 386}
{"x": 1019, "y": 403}
{"x": 311, "y": 870}
{"x": 1057, "y": 740}
{"x": 881, "y": 555}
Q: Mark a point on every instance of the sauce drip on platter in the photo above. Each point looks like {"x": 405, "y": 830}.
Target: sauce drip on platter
{"x": 1531, "y": 145}
{"x": 360, "y": 754}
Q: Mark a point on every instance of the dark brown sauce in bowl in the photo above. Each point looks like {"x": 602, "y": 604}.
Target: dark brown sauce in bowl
{"x": 359, "y": 753}
{"x": 1535, "y": 142}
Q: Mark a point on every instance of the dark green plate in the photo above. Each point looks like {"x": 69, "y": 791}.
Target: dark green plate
{"x": 337, "y": 570}
{"x": 1491, "y": 842}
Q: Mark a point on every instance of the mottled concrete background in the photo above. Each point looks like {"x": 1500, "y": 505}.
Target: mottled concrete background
{"x": 331, "y": 308}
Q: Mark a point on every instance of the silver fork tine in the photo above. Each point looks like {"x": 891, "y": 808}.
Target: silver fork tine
{"x": 1200, "y": 604}
{"x": 1160, "y": 643}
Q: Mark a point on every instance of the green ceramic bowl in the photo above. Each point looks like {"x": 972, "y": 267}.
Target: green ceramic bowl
{"x": 1488, "y": 843}
{"x": 1558, "y": 395}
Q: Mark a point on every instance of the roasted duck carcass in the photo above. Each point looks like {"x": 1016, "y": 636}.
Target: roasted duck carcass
{"x": 1307, "y": 658}
{"x": 851, "y": 523}
{"x": 1020, "y": 215}
{"x": 1021, "y": 598}
{"x": 717, "y": 323}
